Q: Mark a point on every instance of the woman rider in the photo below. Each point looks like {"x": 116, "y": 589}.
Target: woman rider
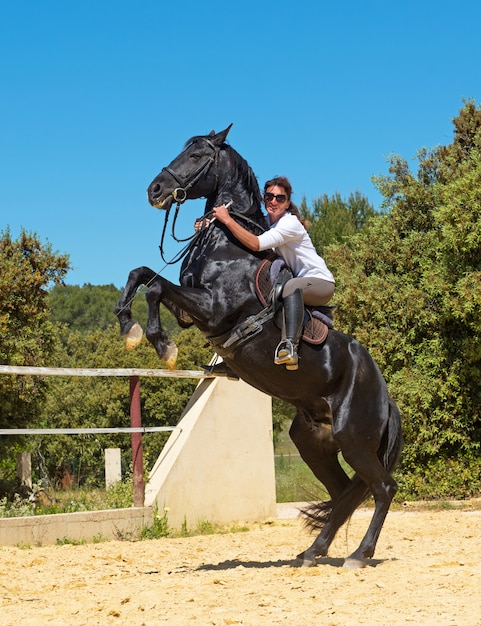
{"x": 312, "y": 283}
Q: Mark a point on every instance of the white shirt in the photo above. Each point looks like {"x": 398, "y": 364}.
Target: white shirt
{"x": 291, "y": 241}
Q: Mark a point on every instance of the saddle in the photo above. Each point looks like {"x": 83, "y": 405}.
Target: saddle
{"x": 271, "y": 276}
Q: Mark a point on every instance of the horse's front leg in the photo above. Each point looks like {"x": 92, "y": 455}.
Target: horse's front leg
{"x": 189, "y": 305}
{"x": 167, "y": 350}
{"x": 131, "y": 330}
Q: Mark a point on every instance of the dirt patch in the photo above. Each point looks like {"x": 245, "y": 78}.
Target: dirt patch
{"x": 426, "y": 571}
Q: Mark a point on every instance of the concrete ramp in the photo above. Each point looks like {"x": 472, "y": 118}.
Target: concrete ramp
{"x": 219, "y": 466}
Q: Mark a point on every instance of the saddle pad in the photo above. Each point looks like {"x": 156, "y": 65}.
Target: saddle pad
{"x": 263, "y": 280}
{"x": 315, "y": 330}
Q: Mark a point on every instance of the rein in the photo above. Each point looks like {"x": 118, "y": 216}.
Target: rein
{"x": 179, "y": 194}
{"x": 193, "y": 238}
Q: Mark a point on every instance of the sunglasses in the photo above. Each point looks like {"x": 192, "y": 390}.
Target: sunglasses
{"x": 280, "y": 197}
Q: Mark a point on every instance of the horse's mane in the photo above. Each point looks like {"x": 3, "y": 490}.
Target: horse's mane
{"x": 242, "y": 170}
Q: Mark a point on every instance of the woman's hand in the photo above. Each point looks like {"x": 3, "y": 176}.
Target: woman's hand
{"x": 247, "y": 238}
{"x": 200, "y": 223}
{"x": 221, "y": 213}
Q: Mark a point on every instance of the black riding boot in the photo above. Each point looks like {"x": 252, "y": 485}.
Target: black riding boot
{"x": 286, "y": 351}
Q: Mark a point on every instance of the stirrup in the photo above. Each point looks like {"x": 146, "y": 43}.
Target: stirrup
{"x": 286, "y": 354}
{"x": 220, "y": 369}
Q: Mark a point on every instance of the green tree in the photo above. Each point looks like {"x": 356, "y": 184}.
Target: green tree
{"x": 27, "y": 336}
{"x": 333, "y": 219}
{"x": 86, "y": 308}
{"x": 409, "y": 288}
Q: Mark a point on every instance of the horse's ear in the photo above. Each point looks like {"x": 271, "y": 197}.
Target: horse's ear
{"x": 220, "y": 137}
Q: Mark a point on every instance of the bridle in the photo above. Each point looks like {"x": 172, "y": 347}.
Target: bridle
{"x": 179, "y": 195}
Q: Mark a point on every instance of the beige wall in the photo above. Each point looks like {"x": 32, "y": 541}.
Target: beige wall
{"x": 43, "y": 530}
{"x": 220, "y": 466}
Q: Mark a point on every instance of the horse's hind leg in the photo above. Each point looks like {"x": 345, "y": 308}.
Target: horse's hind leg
{"x": 319, "y": 451}
{"x": 370, "y": 439}
{"x": 373, "y": 465}
{"x": 370, "y": 477}
{"x": 383, "y": 488}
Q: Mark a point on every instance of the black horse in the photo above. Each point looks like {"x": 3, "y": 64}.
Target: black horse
{"x": 341, "y": 400}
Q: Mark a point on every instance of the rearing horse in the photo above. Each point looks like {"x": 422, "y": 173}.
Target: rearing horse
{"x": 341, "y": 399}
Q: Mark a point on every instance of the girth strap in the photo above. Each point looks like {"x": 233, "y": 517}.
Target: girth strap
{"x": 250, "y": 327}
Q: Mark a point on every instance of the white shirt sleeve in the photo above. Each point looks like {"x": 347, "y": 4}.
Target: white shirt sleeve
{"x": 281, "y": 232}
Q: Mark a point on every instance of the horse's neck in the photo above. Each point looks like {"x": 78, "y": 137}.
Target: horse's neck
{"x": 212, "y": 253}
{"x": 238, "y": 185}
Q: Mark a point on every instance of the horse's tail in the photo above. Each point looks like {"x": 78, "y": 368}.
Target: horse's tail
{"x": 392, "y": 441}
{"x": 317, "y": 514}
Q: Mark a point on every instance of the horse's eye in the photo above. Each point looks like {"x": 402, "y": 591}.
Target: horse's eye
{"x": 195, "y": 156}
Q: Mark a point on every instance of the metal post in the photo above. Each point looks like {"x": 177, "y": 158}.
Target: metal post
{"x": 137, "y": 457}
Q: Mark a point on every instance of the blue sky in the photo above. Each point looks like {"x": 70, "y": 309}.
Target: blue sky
{"x": 97, "y": 96}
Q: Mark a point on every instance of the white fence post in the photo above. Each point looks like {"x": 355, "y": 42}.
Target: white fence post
{"x": 113, "y": 470}
{"x": 24, "y": 469}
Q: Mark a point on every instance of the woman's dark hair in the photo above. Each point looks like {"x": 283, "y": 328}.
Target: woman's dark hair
{"x": 283, "y": 181}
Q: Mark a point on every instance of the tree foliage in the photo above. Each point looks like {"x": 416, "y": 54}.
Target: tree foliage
{"x": 83, "y": 309}
{"x": 27, "y": 269}
{"x": 409, "y": 288}
{"x": 332, "y": 219}
{"x": 27, "y": 336}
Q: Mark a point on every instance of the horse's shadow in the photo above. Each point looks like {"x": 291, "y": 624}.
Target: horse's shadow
{"x": 295, "y": 563}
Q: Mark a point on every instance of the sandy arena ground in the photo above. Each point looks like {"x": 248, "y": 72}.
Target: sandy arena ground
{"x": 427, "y": 570}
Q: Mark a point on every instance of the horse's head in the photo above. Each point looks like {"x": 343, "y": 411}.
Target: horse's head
{"x": 192, "y": 174}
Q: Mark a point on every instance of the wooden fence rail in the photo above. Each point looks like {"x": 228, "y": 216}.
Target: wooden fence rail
{"x": 25, "y": 370}
{"x": 135, "y": 429}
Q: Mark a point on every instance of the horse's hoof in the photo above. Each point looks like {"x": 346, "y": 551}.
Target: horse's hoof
{"x": 134, "y": 336}
{"x": 306, "y": 561}
{"x": 350, "y": 563}
{"x": 170, "y": 355}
